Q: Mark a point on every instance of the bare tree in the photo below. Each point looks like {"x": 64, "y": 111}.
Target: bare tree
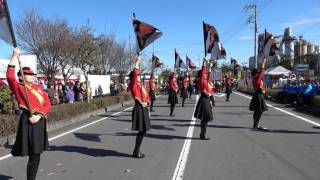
{"x": 44, "y": 38}
{"x": 105, "y": 44}
{"x": 84, "y": 52}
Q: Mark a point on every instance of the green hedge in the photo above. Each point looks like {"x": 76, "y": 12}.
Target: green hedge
{"x": 8, "y": 124}
{"x": 63, "y": 112}
{"x": 5, "y": 98}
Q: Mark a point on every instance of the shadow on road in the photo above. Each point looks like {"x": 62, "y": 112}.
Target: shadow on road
{"x": 4, "y": 177}
{"x": 289, "y": 131}
{"x": 162, "y": 127}
{"x": 156, "y": 136}
{"x": 89, "y": 151}
{"x": 89, "y": 136}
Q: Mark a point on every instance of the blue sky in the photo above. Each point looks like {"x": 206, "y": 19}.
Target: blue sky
{"x": 181, "y": 21}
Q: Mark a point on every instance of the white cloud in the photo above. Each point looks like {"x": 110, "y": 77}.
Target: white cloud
{"x": 303, "y": 22}
{"x": 246, "y": 38}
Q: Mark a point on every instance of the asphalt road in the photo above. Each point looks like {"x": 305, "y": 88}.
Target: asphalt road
{"x": 289, "y": 150}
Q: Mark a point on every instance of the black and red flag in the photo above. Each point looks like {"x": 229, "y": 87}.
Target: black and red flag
{"x": 190, "y": 63}
{"x": 212, "y": 42}
{"x": 6, "y": 30}
{"x": 234, "y": 66}
{"x": 145, "y": 33}
{"x": 7, "y": 35}
{"x": 178, "y": 61}
{"x": 270, "y": 45}
{"x": 210, "y": 37}
{"x": 156, "y": 62}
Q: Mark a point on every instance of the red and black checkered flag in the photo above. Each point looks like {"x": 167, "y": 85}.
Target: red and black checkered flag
{"x": 270, "y": 45}
{"x": 211, "y": 36}
{"x": 6, "y": 30}
{"x": 190, "y": 63}
{"x": 145, "y": 33}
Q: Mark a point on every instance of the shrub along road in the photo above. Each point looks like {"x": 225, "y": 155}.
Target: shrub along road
{"x": 290, "y": 149}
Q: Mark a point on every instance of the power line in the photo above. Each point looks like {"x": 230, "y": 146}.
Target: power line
{"x": 253, "y": 19}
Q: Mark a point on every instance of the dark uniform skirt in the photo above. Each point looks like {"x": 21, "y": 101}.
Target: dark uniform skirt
{"x": 31, "y": 138}
{"x": 140, "y": 117}
{"x": 173, "y": 97}
{"x": 203, "y": 109}
{"x": 152, "y": 95}
{"x": 258, "y": 103}
{"x": 184, "y": 93}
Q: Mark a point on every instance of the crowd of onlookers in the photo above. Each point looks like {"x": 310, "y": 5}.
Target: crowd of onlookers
{"x": 71, "y": 92}
{"x": 299, "y": 92}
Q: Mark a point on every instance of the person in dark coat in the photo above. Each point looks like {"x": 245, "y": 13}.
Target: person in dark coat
{"x": 152, "y": 91}
{"x": 32, "y": 137}
{"x": 173, "y": 90}
{"x": 258, "y": 104}
{"x": 228, "y": 86}
{"x": 184, "y": 89}
{"x": 203, "y": 109}
{"x": 140, "y": 114}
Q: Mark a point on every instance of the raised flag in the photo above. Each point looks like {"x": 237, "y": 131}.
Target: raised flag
{"x": 156, "y": 62}
{"x": 211, "y": 36}
{"x": 6, "y": 32}
{"x": 233, "y": 62}
{"x": 178, "y": 61}
{"x": 218, "y": 51}
{"x": 270, "y": 45}
{"x": 190, "y": 63}
{"x": 234, "y": 66}
{"x": 145, "y": 33}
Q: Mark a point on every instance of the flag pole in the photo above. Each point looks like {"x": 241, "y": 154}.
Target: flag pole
{"x": 204, "y": 38}
{"x": 14, "y": 42}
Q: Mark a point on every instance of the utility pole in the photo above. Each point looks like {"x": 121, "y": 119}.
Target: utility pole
{"x": 253, "y": 20}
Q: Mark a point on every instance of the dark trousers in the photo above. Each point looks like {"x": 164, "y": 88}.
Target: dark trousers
{"x": 151, "y": 105}
{"x": 190, "y": 94}
{"x": 228, "y": 96}
{"x": 183, "y": 100}
{"x": 203, "y": 126}
{"x": 32, "y": 167}
{"x": 256, "y": 118}
{"x": 212, "y": 101}
{"x": 172, "y": 109}
{"x": 139, "y": 140}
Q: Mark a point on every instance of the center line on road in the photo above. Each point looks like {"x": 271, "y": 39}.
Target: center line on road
{"x": 181, "y": 165}
{"x": 73, "y": 130}
{"x": 286, "y": 112}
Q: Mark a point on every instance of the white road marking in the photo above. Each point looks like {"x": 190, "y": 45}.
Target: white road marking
{"x": 73, "y": 130}
{"x": 181, "y": 165}
{"x": 286, "y": 112}
{"x": 219, "y": 94}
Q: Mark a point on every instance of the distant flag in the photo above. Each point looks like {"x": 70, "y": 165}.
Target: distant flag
{"x": 145, "y": 33}
{"x": 6, "y": 31}
{"x": 236, "y": 69}
{"x": 233, "y": 62}
{"x": 270, "y": 46}
{"x": 156, "y": 62}
{"x": 178, "y": 61}
{"x": 190, "y": 63}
